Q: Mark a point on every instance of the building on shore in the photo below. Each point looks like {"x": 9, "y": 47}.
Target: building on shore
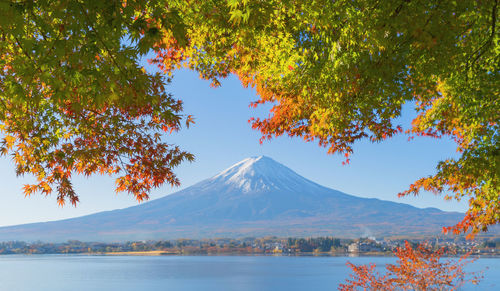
{"x": 363, "y": 247}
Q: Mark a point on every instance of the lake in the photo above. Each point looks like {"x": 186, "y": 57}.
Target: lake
{"x": 221, "y": 273}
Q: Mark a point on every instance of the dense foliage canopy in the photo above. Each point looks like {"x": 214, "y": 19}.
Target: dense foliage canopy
{"x": 75, "y": 99}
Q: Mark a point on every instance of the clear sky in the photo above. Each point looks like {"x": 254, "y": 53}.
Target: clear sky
{"x": 222, "y": 136}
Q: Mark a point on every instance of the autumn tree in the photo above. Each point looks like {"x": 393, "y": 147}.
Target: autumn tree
{"x": 337, "y": 72}
{"x": 74, "y": 98}
{"x": 420, "y": 268}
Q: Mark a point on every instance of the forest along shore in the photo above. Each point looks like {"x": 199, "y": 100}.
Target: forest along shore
{"x": 253, "y": 246}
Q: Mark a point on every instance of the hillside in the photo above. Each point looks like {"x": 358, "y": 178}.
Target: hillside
{"x": 255, "y": 197}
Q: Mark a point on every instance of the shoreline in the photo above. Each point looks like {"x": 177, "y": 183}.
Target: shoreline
{"x": 166, "y": 253}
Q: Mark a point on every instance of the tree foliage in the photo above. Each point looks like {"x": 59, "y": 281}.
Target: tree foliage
{"x": 337, "y": 72}
{"x": 418, "y": 268}
{"x": 75, "y": 99}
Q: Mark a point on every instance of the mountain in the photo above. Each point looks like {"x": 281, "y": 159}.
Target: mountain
{"x": 255, "y": 197}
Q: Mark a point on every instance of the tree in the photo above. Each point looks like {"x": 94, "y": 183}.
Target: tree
{"x": 336, "y": 72}
{"x": 340, "y": 71}
{"x": 417, "y": 268}
{"x": 74, "y": 99}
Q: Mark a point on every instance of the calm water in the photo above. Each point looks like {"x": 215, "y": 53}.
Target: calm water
{"x": 221, "y": 273}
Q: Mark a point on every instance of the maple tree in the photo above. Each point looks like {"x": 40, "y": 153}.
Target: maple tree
{"x": 75, "y": 99}
{"x": 337, "y": 72}
{"x": 419, "y": 268}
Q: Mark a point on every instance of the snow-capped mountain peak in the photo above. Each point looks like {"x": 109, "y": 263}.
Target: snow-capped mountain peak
{"x": 255, "y": 197}
{"x": 259, "y": 174}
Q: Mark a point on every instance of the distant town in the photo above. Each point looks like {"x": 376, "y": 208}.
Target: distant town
{"x": 265, "y": 245}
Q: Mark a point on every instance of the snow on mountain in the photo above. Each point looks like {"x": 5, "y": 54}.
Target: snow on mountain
{"x": 255, "y": 197}
{"x": 262, "y": 173}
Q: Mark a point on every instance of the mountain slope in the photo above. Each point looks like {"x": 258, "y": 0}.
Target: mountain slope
{"x": 254, "y": 197}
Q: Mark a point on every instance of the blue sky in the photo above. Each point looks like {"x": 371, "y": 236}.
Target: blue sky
{"x": 222, "y": 136}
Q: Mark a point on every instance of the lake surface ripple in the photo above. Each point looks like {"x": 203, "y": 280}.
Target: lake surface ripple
{"x": 221, "y": 273}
